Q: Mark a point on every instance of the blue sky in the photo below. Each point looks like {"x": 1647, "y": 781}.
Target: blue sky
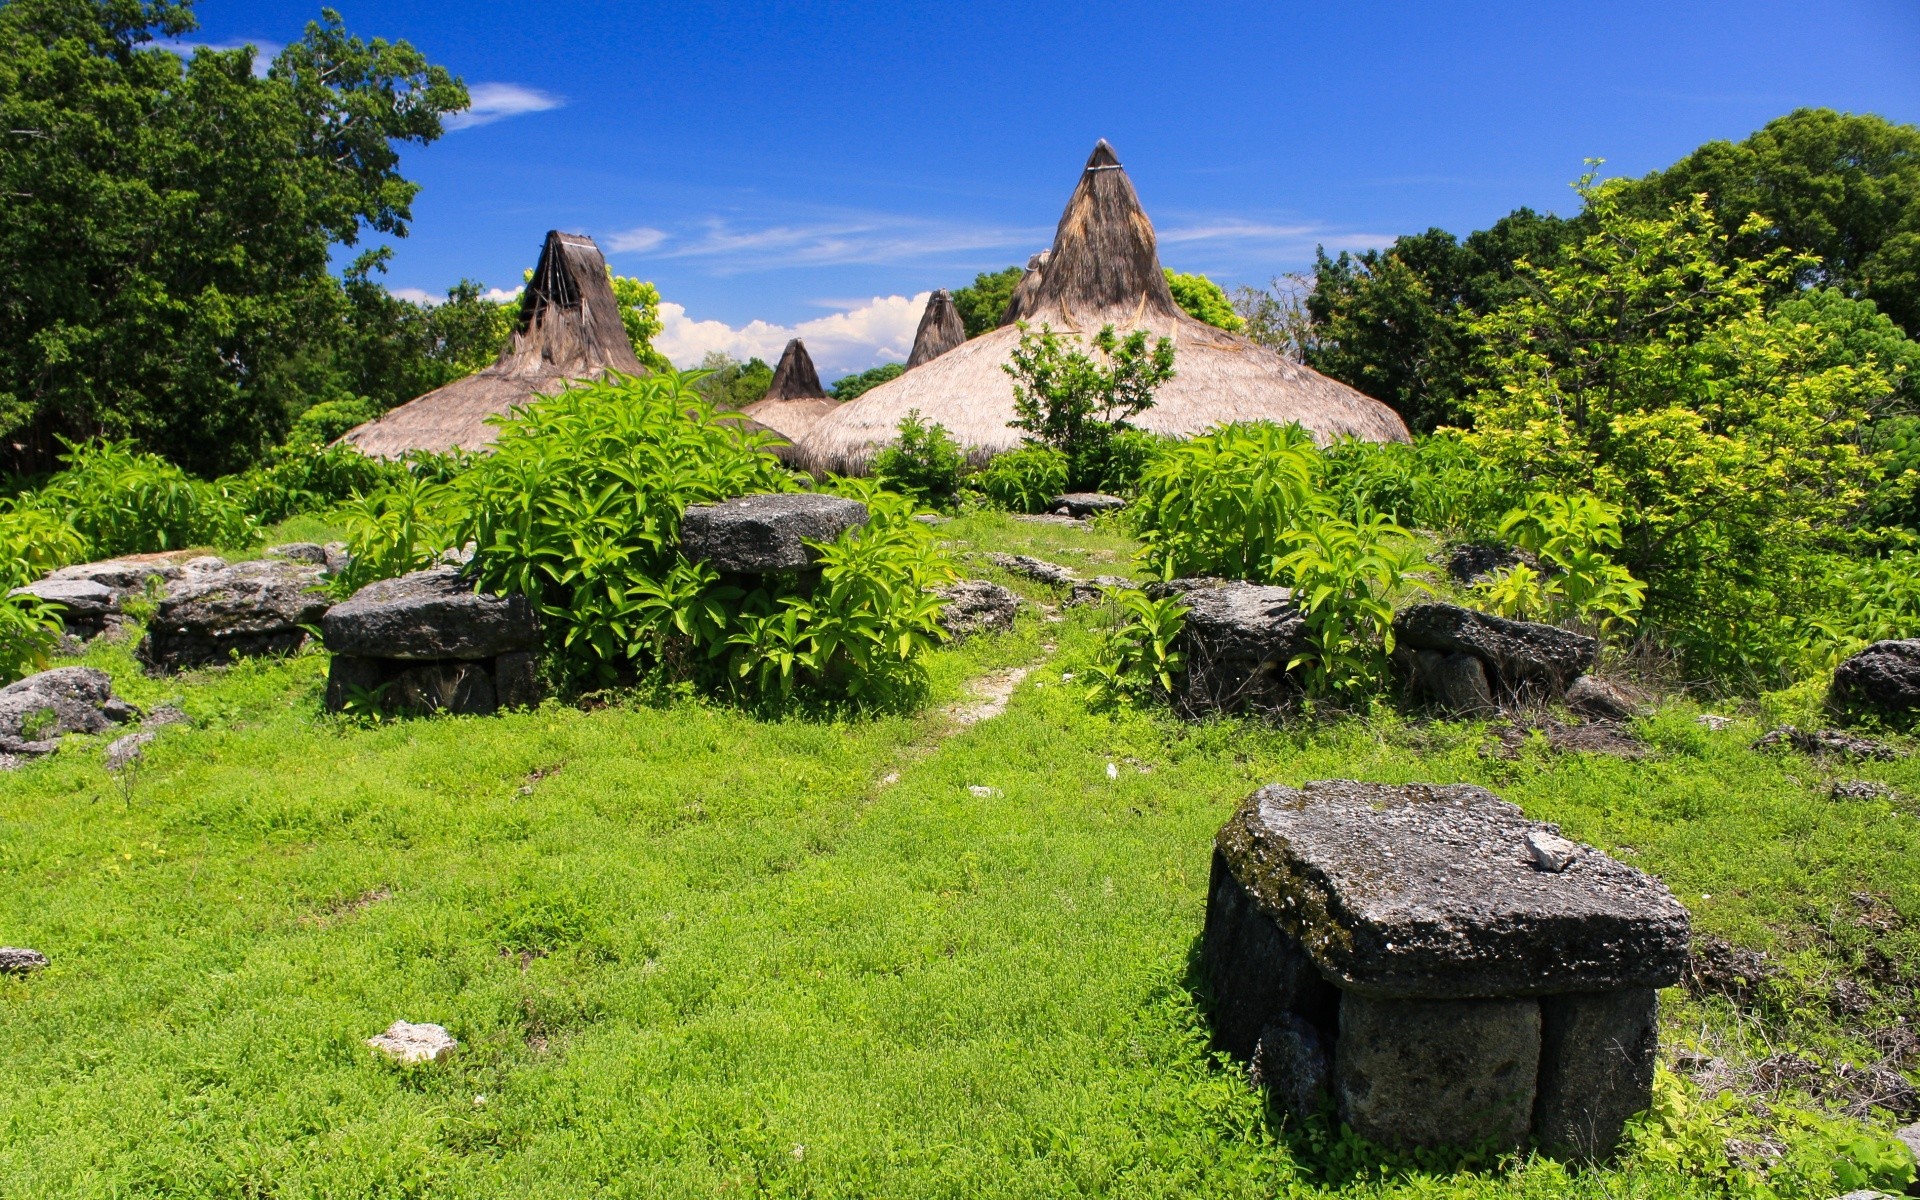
{"x": 817, "y": 167}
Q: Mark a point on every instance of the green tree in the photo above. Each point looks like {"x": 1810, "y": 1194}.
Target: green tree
{"x": 1203, "y": 300}
{"x": 984, "y": 301}
{"x": 1840, "y": 190}
{"x": 1645, "y": 369}
{"x": 730, "y": 385}
{"x": 640, "y": 313}
{"x": 849, "y": 386}
{"x": 1078, "y": 404}
{"x": 166, "y": 235}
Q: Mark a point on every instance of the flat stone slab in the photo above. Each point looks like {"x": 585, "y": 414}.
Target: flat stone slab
{"x": 757, "y": 535}
{"x": 428, "y": 616}
{"x": 1886, "y": 676}
{"x": 1084, "y": 504}
{"x": 1424, "y": 891}
{"x": 1516, "y": 653}
{"x": 85, "y": 599}
{"x": 37, "y": 711}
{"x": 1238, "y": 639}
{"x": 1037, "y": 569}
{"x": 248, "y": 608}
{"x": 406, "y": 1042}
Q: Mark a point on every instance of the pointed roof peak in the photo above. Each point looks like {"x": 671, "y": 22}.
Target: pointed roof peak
{"x": 569, "y": 320}
{"x": 795, "y": 378}
{"x": 1103, "y": 156}
{"x": 1104, "y": 265}
{"x": 941, "y": 329}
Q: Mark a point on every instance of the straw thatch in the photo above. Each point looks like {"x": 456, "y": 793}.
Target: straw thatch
{"x": 1104, "y": 268}
{"x": 1027, "y": 291}
{"x": 794, "y": 401}
{"x": 940, "y": 330}
{"x": 568, "y": 329}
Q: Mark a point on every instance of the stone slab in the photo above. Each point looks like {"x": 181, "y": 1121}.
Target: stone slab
{"x": 248, "y": 608}
{"x": 756, "y": 535}
{"x": 428, "y": 616}
{"x": 1516, "y": 653}
{"x": 1431, "y": 891}
{"x": 1597, "y": 1054}
{"x": 1238, "y": 639}
{"x": 1437, "y": 1073}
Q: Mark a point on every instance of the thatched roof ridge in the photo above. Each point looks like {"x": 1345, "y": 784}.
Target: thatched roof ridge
{"x": 795, "y": 399}
{"x": 795, "y": 378}
{"x": 1104, "y": 268}
{"x": 1026, "y": 293}
{"x": 941, "y": 329}
{"x": 569, "y": 328}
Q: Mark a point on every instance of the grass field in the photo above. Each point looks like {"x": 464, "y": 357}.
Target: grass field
{"x": 692, "y": 953}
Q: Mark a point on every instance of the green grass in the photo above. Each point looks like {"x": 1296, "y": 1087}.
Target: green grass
{"x": 691, "y": 953}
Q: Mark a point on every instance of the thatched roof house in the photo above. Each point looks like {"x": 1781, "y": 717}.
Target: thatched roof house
{"x": 941, "y": 329}
{"x": 569, "y": 328}
{"x": 794, "y": 400}
{"x": 1104, "y": 268}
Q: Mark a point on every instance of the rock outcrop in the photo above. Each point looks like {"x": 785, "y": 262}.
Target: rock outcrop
{"x": 1237, "y": 642}
{"x": 428, "y": 642}
{"x": 244, "y": 609}
{"x": 1441, "y": 645}
{"x": 36, "y": 712}
{"x": 758, "y": 535}
{"x": 1884, "y": 677}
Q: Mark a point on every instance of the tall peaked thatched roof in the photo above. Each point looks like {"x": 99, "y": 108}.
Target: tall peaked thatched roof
{"x": 1027, "y": 291}
{"x": 941, "y": 329}
{"x": 1104, "y": 268}
{"x": 795, "y": 399}
{"x": 569, "y": 328}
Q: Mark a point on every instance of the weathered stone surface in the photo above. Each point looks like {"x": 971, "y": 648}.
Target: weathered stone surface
{"x": 349, "y": 676}
{"x": 1591, "y": 696}
{"x": 122, "y": 576}
{"x": 1293, "y": 1062}
{"x": 1517, "y": 654}
{"x": 1827, "y": 743}
{"x": 428, "y": 616}
{"x": 84, "y": 604}
{"x": 337, "y": 557}
{"x": 1084, "y": 504}
{"x": 311, "y": 553}
{"x": 460, "y": 688}
{"x": 124, "y": 752}
{"x": 406, "y": 1042}
{"x": 1431, "y": 891}
{"x": 1884, "y": 676}
{"x": 37, "y": 711}
{"x": 1431, "y": 1073}
{"x": 1597, "y": 1053}
{"x": 1477, "y": 562}
{"x": 248, "y": 608}
{"x": 18, "y": 960}
{"x": 976, "y": 606}
{"x": 755, "y": 535}
{"x": 1455, "y": 684}
{"x": 516, "y": 680}
{"x": 1094, "y": 591}
{"x": 1037, "y": 569}
{"x": 1258, "y": 974}
{"x": 1237, "y": 640}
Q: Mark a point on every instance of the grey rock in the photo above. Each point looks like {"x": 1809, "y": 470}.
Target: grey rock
{"x": 1437, "y": 1073}
{"x": 1238, "y": 639}
{"x": 1909, "y": 1136}
{"x": 18, "y": 960}
{"x": 1456, "y": 684}
{"x": 1597, "y": 1054}
{"x": 1095, "y": 590}
{"x": 516, "y": 680}
{"x": 1477, "y": 562}
{"x": 1257, "y": 973}
{"x": 37, "y": 711}
{"x": 311, "y": 553}
{"x": 1037, "y": 569}
{"x": 756, "y": 535}
{"x": 428, "y": 616}
{"x": 1517, "y": 654}
{"x": 1550, "y": 851}
{"x": 123, "y": 752}
{"x": 1461, "y": 911}
{"x": 1827, "y": 743}
{"x": 203, "y": 564}
{"x": 166, "y": 714}
{"x": 84, "y": 600}
{"x": 459, "y": 688}
{"x": 122, "y": 576}
{"x": 249, "y": 608}
{"x": 1713, "y": 721}
{"x": 1084, "y": 504}
{"x": 1860, "y": 789}
{"x": 976, "y": 606}
{"x": 1717, "y": 967}
{"x": 1885, "y": 676}
{"x": 932, "y": 520}
{"x": 1291, "y": 1061}
{"x": 1046, "y": 519}
{"x": 1591, "y": 696}
{"x": 405, "y": 1042}
{"x": 337, "y": 557}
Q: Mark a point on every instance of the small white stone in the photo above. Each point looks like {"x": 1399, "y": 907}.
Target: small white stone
{"x": 1113, "y": 772}
{"x": 1713, "y": 722}
{"x": 983, "y": 791}
{"x": 409, "y": 1043}
{"x": 1550, "y": 851}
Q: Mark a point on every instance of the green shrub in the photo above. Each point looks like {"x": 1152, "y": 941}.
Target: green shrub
{"x": 1346, "y": 575}
{"x": 1078, "y": 403}
{"x": 312, "y": 478}
{"x": 29, "y": 632}
{"x": 1128, "y": 456}
{"x": 1435, "y": 483}
{"x": 323, "y": 422}
{"x": 848, "y": 387}
{"x": 122, "y": 501}
{"x": 1570, "y": 537}
{"x": 1024, "y": 480}
{"x": 34, "y": 541}
{"x": 1137, "y": 657}
{"x": 925, "y": 462}
{"x": 405, "y": 526}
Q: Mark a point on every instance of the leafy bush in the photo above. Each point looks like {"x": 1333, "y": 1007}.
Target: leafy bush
{"x": 1127, "y": 457}
{"x": 34, "y": 541}
{"x": 327, "y": 420}
{"x": 1569, "y": 537}
{"x": 405, "y": 526}
{"x": 1064, "y": 398}
{"x": 925, "y": 462}
{"x": 1345, "y": 575}
{"x": 849, "y": 386}
{"x": 301, "y": 479}
{"x": 122, "y": 501}
{"x": 1435, "y": 483}
{"x": 1024, "y": 480}
{"x": 29, "y": 631}
{"x": 1137, "y": 657}
{"x": 1203, "y": 300}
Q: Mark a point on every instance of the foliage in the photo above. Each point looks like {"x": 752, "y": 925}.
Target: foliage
{"x": 925, "y": 462}
{"x": 1137, "y": 658}
{"x": 1277, "y": 317}
{"x": 404, "y": 526}
{"x": 1064, "y": 398}
{"x": 982, "y": 303}
{"x": 1435, "y": 482}
{"x": 385, "y": 350}
{"x": 728, "y": 384}
{"x": 34, "y": 541}
{"x": 29, "y": 632}
{"x": 169, "y": 222}
{"x": 123, "y": 501}
{"x": 328, "y": 419}
{"x": 1864, "y": 598}
{"x": 1024, "y": 480}
{"x": 297, "y": 480}
{"x": 1396, "y": 323}
{"x": 849, "y": 386}
{"x": 640, "y": 313}
{"x": 1346, "y": 576}
{"x": 1647, "y": 372}
{"x": 1203, "y": 300}
{"x": 1128, "y": 455}
{"x": 1575, "y": 581}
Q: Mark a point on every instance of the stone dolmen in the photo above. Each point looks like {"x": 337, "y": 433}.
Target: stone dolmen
{"x": 1451, "y": 973}
{"x": 759, "y": 535}
{"x": 1465, "y": 661}
{"x": 214, "y": 612}
{"x": 427, "y": 642}
{"x": 1237, "y": 641}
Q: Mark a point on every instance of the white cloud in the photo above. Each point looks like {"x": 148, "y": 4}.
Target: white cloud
{"x": 838, "y": 240}
{"x": 501, "y": 295}
{"x": 263, "y": 50}
{"x": 498, "y": 101}
{"x": 635, "y": 240}
{"x": 879, "y": 330}
{"x": 414, "y": 295}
